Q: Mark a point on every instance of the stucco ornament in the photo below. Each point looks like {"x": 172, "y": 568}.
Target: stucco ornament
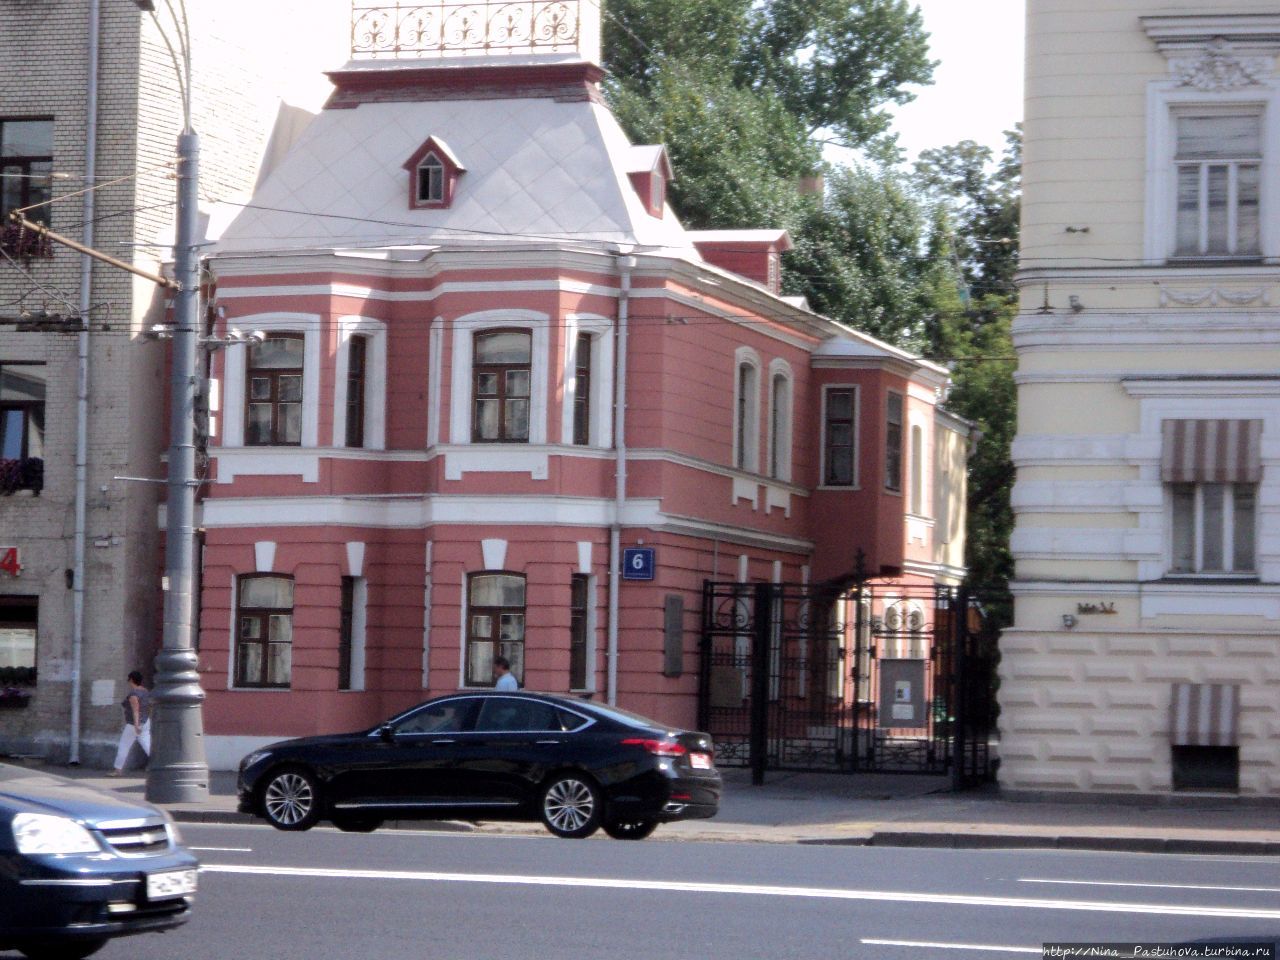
{"x": 1218, "y": 68}
{"x": 1213, "y": 296}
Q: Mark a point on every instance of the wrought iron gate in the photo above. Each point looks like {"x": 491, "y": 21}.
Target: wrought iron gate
{"x": 880, "y": 677}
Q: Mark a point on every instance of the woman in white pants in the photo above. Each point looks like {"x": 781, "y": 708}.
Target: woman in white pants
{"x": 137, "y": 722}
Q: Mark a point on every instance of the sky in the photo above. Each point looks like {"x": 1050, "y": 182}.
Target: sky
{"x": 977, "y": 89}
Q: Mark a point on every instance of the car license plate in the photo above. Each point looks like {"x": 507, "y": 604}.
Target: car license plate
{"x": 165, "y": 886}
{"x": 700, "y": 761}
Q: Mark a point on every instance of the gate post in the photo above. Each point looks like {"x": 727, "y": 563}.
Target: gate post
{"x": 960, "y": 688}
{"x": 761, "y": 615}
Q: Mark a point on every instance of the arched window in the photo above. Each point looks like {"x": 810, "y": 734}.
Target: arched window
{"x": 779, "y": 423}
{"x": 495, "y": 625}
{"x": 582, "y": 390}
{"x": 501, "y": 373}
{"x": 746, "y": 440}
{"x": 264, "y": 631}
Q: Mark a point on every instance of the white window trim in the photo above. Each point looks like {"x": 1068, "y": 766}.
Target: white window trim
{"x": 600, "y": 430}
{"x": 359, "y": 633}
{"x": 750, "y": 458}
{"x": 375, "y": 376}
{"x": 822, "y": 436}
{"x": 1165, "y": 100}
{"x": 780, "y": 368}
{"x": 236, "y": 361}
{"x": 464, "y": 330}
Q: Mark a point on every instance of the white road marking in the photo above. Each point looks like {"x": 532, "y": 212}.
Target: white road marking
{"x": 824, "y": 893}
{"x": 928, "y": 945}
{"x": 222, "y": 849}
{"x": 1162, "y": 886}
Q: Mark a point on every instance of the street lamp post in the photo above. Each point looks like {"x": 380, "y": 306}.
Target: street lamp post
{"x": 178, "y": 771}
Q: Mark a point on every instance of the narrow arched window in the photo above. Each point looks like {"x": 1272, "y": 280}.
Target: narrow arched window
{"x": 746, "y": 442}
{"x": 780, "y": 428}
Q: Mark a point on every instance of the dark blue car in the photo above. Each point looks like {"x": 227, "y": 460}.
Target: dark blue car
{"x": 79, "y": 866}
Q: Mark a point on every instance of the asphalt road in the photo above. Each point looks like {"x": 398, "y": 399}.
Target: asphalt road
{"x": 394, "y": 894}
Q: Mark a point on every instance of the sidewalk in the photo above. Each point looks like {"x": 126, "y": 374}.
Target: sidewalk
{"x": 882, "y": 810}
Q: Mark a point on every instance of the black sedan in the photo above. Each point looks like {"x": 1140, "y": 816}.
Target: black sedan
{"x": 575, "y": 765}
{"x": 79, "y": 866}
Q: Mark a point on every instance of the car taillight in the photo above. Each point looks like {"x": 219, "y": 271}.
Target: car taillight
{"x": 659, "y": 748}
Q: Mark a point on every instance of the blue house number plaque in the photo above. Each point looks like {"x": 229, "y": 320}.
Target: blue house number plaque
{"x": 637, "y": 563}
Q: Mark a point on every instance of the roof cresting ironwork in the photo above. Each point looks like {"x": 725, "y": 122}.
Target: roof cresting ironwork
{"x": 438, "y": 28}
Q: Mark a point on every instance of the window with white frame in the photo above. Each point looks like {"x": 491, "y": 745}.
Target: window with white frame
{"x": 273, "y": 404}
{"x": 746, "y": 439}
{"x": 582, "y": 390}
{"x": 502, "y": 374}
{"x": 1211, "y": 469}
{"x": 779, "y": 422}
{"x": 1218, "y": 158}
{"x": 1213, "y": 527}
{"x": 431, "y": 175}
{"x": 264, "y": 631}
{"x": 495, "y": 625}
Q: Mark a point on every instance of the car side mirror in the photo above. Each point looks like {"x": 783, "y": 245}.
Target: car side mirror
{"x": 387, "y": 732}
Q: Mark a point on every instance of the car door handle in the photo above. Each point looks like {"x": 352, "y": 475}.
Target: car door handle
{"x": 549, "y": 741}
{"x": 444, "y": 741}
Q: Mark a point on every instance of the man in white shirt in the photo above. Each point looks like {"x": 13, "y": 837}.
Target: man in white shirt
{"x": 503, "y": 678}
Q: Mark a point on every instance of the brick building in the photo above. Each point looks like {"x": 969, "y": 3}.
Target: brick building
{"x": 88, "y": 97}
{"x": 493, "y": 361}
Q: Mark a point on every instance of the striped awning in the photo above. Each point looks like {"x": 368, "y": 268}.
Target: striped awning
{"x": 1205, "y": 715}
{"x": 1211, "y": 451}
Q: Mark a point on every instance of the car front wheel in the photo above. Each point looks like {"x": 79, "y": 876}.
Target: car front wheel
{"x": 571, "y": 806}
{"x": 291, "y": 800}
{"x": 68, "y": 950}
{"x": 636, "y": 829}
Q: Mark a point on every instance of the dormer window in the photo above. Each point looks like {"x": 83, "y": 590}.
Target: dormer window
{"x": 430, "y": 181}
{"x": 434, "y": 172}
{"x": 650, "y": 170}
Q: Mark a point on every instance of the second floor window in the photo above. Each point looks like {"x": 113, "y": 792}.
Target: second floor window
{"x": 1219, "y": 162}
{"x": 893, "y": 443}
{"x": 274, "y": 402}
{"x": 582, "y": 391}
{"x": 22, "y": 390}
{"x": 917, "y": 471}
{"x": 26, "y": 167}
{"x": 1213, "y": 527}
{"x": 746, "y": 441}
{"x": 837, "y": 470}
{"x": 501, "y": 375}
{"x": 356, "y": 366}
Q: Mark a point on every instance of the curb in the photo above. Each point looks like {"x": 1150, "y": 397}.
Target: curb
{"x": 996, "y": 841}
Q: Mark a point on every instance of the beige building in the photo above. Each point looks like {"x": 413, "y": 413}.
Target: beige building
{"x": 88, "y": 97}
{"x": 1145, "y": 654}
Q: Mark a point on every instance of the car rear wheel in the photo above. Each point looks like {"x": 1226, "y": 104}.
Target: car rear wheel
{"x": 291, "y": 800}
{"x": 636, "y": 829}
{"x": 571, "y": 806}
{"x": 69, "y": 950}
{"x": 350, "y": 824}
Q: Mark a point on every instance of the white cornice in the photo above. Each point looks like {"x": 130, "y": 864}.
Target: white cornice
{"x": 1174, "y": 34}
{"x": 1199, "y": 386}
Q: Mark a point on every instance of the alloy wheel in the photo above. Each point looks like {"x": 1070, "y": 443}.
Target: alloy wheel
{"x": 290, "y": 801}
{"x": 570, "y": 807}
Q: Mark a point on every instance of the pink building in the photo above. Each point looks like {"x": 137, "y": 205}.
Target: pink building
{"x": 495, "y": 365}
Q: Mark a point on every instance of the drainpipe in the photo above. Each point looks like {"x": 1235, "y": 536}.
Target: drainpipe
{"x": 82, "y": 385}
{"x": 625, "y": 266}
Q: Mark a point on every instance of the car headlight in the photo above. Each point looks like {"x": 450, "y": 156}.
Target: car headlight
{"x": 42, "y": 833}
{"x": 171, "y": 829}
{"x": 253, "y": 758}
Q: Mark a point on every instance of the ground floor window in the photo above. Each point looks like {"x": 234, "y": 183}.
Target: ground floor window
{"x": 264, "y": 632}
{"x": 495, "y": 625}
{"x": 579, "y": 603}
{"x": 19, "y": 617}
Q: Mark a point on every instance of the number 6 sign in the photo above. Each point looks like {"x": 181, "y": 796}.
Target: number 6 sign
{"x": 637, "y": 563}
